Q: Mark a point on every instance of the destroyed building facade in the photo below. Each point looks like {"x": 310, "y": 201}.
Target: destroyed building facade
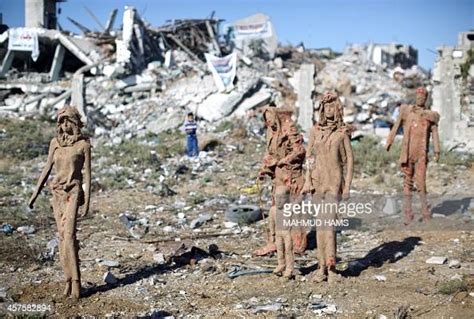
{"x": 453, "y": 92}
{"x": 393, "y": 54}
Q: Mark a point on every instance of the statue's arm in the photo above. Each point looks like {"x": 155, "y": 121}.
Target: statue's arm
{"x": 350, "y": 166}
{"x": 87, "y": 179}
{"x": 45, "y": 174}
{"x": 393, "y": 132}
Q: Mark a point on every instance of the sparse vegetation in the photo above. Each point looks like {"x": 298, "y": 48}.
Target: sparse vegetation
{"x": 139, "y": 152}
{"x": 224, "y": 126}
{"x": 370, "y": 157}
{"x": 452, "y": 286}
{"x": 24, "y": 139}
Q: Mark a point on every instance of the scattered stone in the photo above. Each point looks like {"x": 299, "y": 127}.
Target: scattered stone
{"x": 51, "y": 246}
{"x": 230, "y": 224}
{"x": 159, "y": 258}
{"x": 380, "y": 278}
{"x": 107, "y": 263}
{"x": 202, "y": 219}
{"x": 168, "y": 229}
{"x": 266, "y": 308}
{"x": 3, "y": 292}
{"x": 109, "y": 278}
{"x": 454, "y": 263}
{"x": 391, "y": 206}
{"x": 321, "y": 308}
{"x": 436, "y": 260}
{"x": 27, "y": 230}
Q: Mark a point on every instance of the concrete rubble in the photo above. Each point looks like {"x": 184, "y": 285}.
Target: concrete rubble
{"x": 142, "y": 79}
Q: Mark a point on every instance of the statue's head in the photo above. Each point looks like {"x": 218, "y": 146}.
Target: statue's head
{"x": 330, "y": 108}
{"x": 421, "y": 96}
{"x": 270, "y": 117}
{"x": 69, "y": 125}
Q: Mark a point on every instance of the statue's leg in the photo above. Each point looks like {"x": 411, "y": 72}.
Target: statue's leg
{"x": 420, "y": 181}
{"x": 58, "y": 205}
{"x": 408, "y": 171}
{"x": 330, "y": 235}
{"x": 70, "y": 242}
{"x": 299, "y": 233}
{"x": 289, "y": 255}
{"x": 280, "y": 254}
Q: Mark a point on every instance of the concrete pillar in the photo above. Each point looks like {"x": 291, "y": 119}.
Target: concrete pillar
{"x": 40, "y": 14}
{"x": 78, "y": 95}
{"x": 305, "y": 103}
{"x": 57, "y": 62}
{"x": 7, "y": 63}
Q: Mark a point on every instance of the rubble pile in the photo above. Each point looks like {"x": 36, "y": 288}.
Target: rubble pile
{"x": 370, "y": 92}
{"x": 141, "y": 78}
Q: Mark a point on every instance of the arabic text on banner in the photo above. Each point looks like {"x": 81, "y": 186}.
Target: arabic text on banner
{"x": 24, "y": 39}
{"x": 223, "y": 70}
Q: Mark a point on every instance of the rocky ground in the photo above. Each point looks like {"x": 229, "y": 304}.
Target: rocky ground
{"x": 163, "y": 267}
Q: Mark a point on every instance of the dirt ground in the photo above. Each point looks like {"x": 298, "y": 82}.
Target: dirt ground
{"x": 382, "y": 262}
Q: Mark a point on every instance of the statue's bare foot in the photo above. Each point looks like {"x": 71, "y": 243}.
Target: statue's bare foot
{"x": 76, "y": 289}
{"x": 289, "y": 274}
{"x": 279, "y": 270}
{"x": 319, "y": 276}
{"x": 267, "y": 249}
{"x": 409, "y": 216}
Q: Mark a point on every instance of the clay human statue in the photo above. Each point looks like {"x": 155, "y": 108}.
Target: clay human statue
{"x": 283, "y": 163}
{"x": 70, "y": 155}
{"x": 418, "y": 125}
{"x": 330, "y": 165}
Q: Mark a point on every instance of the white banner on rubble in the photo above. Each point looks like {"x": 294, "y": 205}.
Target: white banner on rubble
{"x": 223, "y": 70}
{"x": 24, "y": 39}
{"x": 253, "y": 31}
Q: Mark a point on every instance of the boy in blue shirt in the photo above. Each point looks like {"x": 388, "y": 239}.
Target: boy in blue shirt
{"x": 190, "y": 127}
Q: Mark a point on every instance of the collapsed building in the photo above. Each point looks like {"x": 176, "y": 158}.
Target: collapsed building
{"x": 141, "y": 78}
{"x": 393, "y": 54}
{"x": 453, "y": 92}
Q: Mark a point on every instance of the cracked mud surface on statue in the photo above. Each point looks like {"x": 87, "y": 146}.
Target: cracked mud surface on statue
{"x": 69, "y": 154}
{"x": 418, "y": 125}
{"x": 283, "y": 163}
{"x": 329, "y": 177}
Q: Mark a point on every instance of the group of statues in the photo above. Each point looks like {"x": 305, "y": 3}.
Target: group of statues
{"x": 329, "y": 161}
{"x": 329, "y": 170}
{"x": 328, "y": 157}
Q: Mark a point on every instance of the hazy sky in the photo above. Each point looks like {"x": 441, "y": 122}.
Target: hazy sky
{"x": 424, "y": 24}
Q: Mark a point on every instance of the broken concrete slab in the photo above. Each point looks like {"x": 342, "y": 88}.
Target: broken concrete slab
{"x": 218, "y": 105}
{"x": 436, "y": 260}
{"x": 259, "y": 98}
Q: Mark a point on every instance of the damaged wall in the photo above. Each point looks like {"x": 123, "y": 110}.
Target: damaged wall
{"x": 453, "y": 95}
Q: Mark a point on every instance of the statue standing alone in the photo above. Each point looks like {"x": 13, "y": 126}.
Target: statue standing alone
{"x": 418, "y": 124}
{"x": 70, "y": 154}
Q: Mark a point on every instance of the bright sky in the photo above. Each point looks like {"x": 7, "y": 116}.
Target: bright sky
{"x": 424, "y": 24}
